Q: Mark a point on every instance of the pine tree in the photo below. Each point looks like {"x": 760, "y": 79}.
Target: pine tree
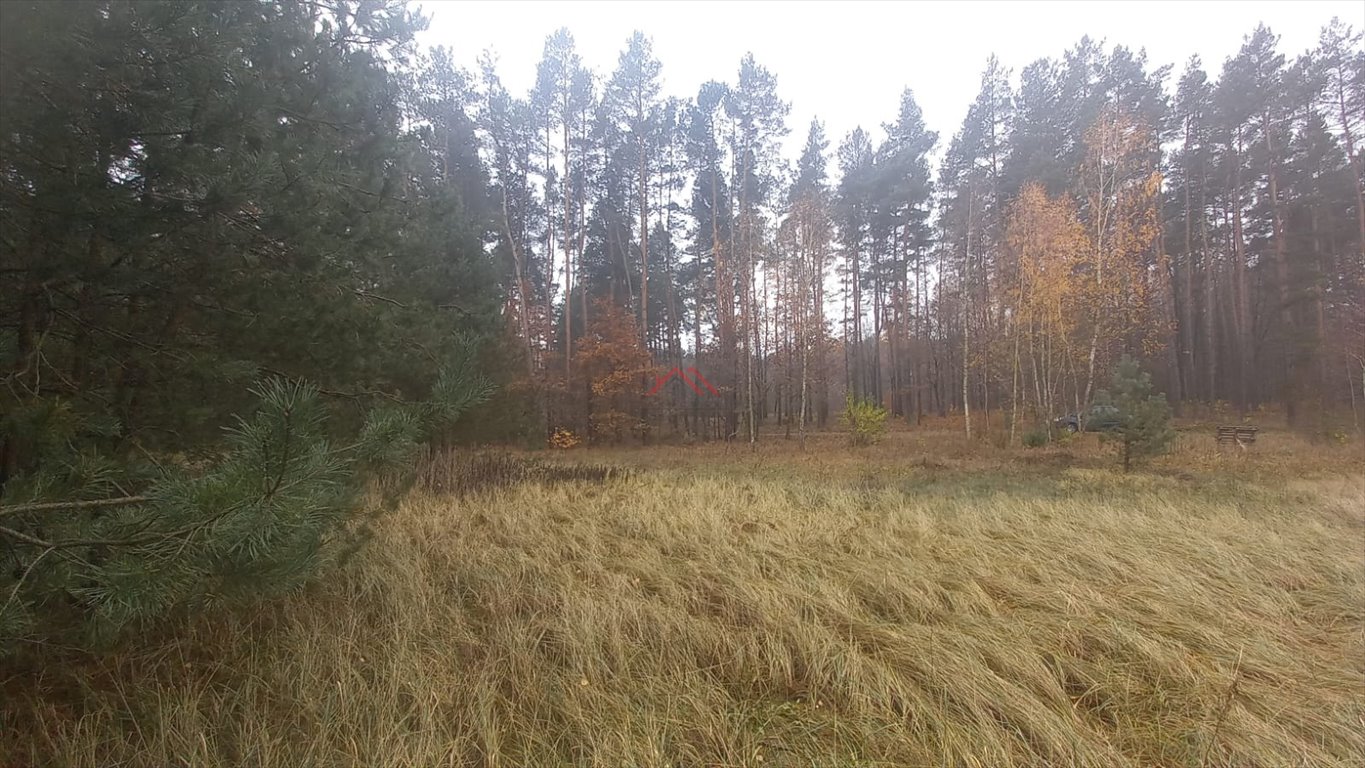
{"x": 1038, "y": 135}
{"x": 1187, "y": 232}
{"x": 282, "y": 504}
{"x": 807, "y": 239}
{"x": 1144, "y": 418}
{"x": 713, "y": 269}
{"x": 759, "y": 118}
{"x": 196, "y": 198}
{"x": 854, "y": 219}
{"x": 632, "y": 100}
{"x": 903, "y": 196}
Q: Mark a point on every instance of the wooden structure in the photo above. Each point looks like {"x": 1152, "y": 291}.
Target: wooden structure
{"x": 1240, "y": 435}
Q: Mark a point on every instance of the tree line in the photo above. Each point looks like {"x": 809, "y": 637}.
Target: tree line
{"x": 198, "y": 196}
{"x": 1214, "y": 230}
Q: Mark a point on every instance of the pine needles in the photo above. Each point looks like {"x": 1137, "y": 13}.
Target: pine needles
{"x": 274, "y": 511}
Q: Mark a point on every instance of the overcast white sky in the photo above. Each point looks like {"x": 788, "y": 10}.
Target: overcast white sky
{"x": 847, "y": 62}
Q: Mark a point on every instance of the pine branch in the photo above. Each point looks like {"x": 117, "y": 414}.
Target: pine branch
{"x": 155, "y": 350}
{"x": 46, "y": 506}
{"x": 364, "y": 191}
{"x": 14, "y": 593}
{"x": 357, "y": 395}
{"x": 186, "y": 530}
{"x": 73, "y": 543}
{"x": 24, "y": 537}
{"x": 367, "y": 295}
{"x": 284, "y": 460}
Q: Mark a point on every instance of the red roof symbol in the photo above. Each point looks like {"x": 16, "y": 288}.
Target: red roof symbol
{"x": 691, "y": 381}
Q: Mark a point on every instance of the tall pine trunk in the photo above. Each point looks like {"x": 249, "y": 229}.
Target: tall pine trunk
{"x": 966, "y": 317}
{"x": 1288, "y": 341}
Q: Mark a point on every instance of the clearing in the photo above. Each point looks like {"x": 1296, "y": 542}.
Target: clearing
{"x": 923, "y": 602}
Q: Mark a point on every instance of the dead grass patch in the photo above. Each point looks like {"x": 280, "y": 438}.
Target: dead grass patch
{"x": 719, "y": 607}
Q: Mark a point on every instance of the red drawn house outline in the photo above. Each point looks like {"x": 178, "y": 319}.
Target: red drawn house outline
{"x": 680, "y": 373}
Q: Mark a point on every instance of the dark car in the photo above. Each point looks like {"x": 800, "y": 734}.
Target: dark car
{"x": 1100, "y": 418}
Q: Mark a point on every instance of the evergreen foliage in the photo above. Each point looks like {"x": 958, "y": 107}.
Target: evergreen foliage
{"x": 1035, "y": 438}
{"x": 280, "y": 504}
{"x": 1144, "y": 418}
{"x": 203, "y": 205}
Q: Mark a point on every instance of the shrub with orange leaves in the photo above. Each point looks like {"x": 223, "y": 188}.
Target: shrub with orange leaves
{"x": 564, "y": 439}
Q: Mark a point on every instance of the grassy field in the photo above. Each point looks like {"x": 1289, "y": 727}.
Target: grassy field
{"x": 925, "y": 602}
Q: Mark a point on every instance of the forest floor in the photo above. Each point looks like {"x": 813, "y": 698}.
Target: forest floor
{"x": 923, "y": 602}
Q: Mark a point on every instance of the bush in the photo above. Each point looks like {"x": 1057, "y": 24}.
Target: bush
{"x": 1144, "y": 418}
{"x": 865, "y": 420}
{"x": 563, "y": 439}
{"x": 1035, "y": 438}
{"x": 1334, "y": 435}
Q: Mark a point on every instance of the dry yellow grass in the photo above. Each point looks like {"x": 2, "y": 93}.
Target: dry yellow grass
{"x": 923, "y": 603}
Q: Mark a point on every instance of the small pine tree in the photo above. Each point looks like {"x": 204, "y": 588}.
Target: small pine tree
{"x": 1144, "y": 418}
{"x": 281, "y": 503}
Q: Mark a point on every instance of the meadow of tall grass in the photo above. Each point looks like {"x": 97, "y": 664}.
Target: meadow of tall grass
{"x": 924, "y": 602}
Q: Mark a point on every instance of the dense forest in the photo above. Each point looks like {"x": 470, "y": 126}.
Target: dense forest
{"x": 1211, "y": 226}
{"x": 289, "y": 221}
{"x": 196, "y": 196}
